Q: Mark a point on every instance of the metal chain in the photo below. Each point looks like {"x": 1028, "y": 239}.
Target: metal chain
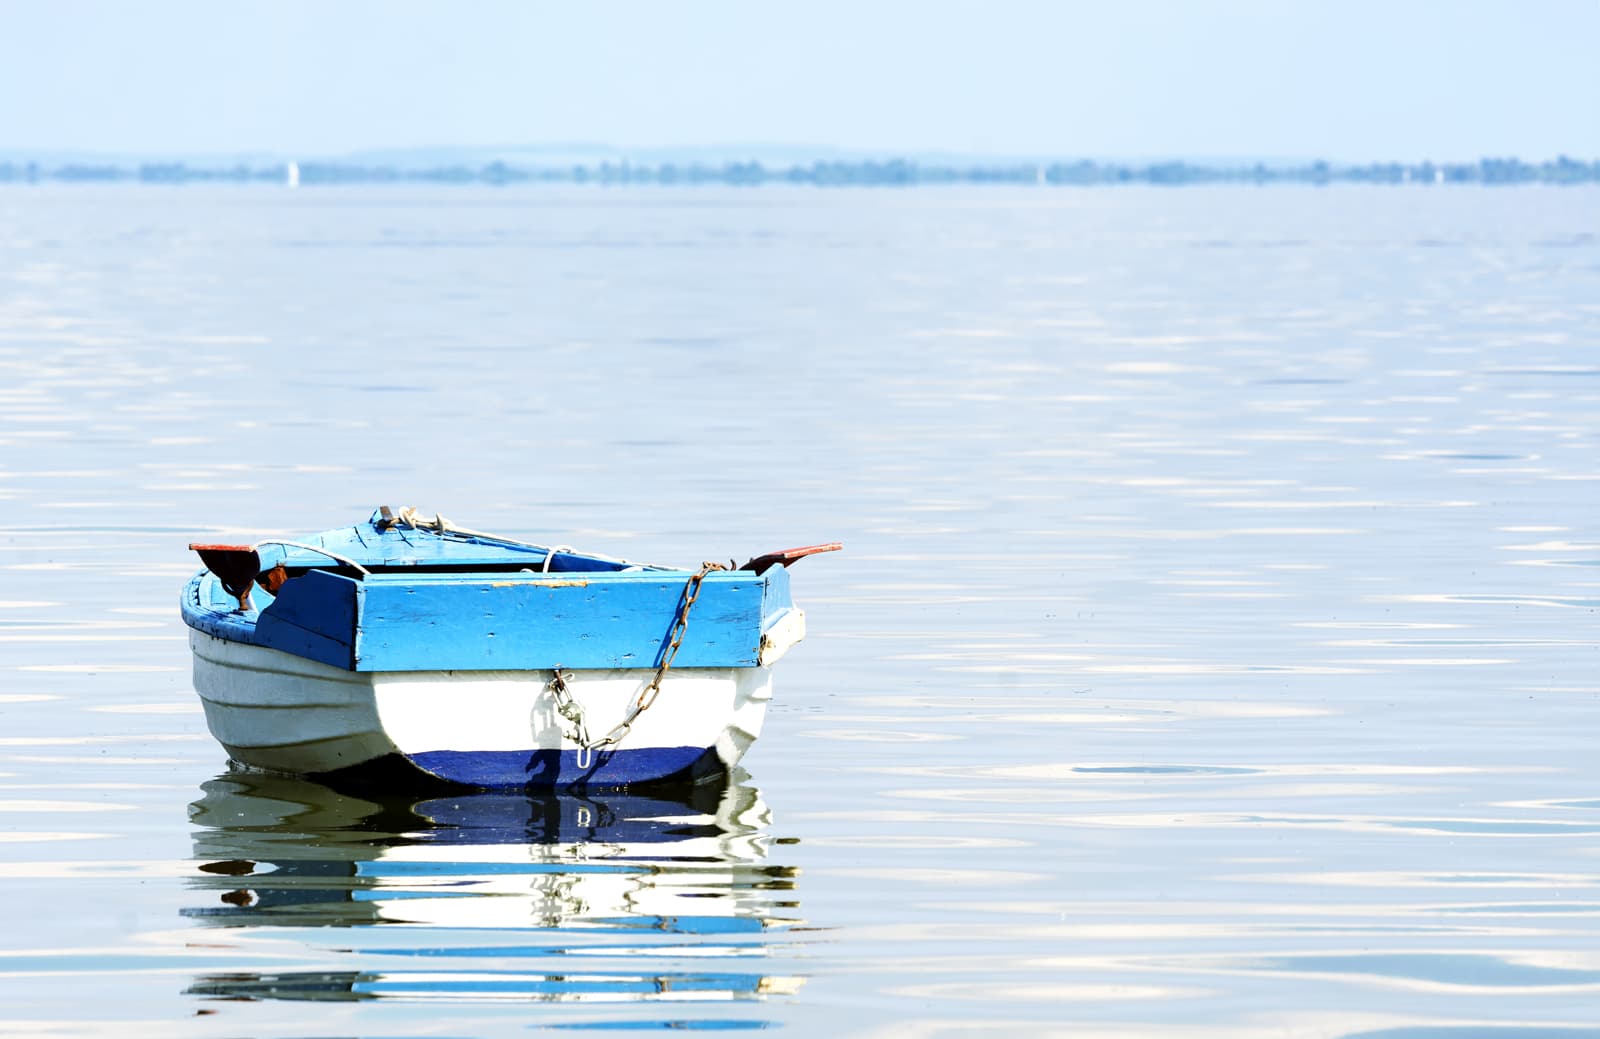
{"x": 570, "y": 709}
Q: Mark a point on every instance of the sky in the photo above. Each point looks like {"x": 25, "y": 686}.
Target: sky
{"x": 1352, "y": 80}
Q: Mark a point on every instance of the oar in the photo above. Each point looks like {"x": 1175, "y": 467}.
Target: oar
{"x": 236, "y": 567}
{"x": 761, "y": 564}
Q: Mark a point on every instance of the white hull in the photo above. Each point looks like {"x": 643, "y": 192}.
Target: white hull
{"x": 284, "y": 713}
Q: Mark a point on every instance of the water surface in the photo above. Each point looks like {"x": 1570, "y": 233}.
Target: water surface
{"x": 1214, "y": 652}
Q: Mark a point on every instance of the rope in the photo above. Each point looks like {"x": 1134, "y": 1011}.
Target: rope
{"x": 336, "y": 557}
{"x": 409, "y": 517}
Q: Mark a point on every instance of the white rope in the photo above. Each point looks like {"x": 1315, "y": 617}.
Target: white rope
{"x": 336, "y": 557}
{"x": 409, "y": 517}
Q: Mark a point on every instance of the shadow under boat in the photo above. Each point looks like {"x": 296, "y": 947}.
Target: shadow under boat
{"x": 507, "y": 892}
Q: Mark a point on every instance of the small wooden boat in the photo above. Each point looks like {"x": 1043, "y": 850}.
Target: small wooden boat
{"x": 406, "y": 649}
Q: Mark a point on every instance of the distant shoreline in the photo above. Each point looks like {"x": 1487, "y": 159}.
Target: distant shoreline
{"x": 887, "y": 173}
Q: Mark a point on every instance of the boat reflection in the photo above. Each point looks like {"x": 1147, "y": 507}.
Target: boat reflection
{"x": 497, "y": 895}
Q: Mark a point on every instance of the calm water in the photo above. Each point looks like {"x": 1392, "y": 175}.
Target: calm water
{"x": 1215, "y": 651}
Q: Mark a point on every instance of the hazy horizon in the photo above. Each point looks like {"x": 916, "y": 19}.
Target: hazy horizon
{"x": 770, "y": 152}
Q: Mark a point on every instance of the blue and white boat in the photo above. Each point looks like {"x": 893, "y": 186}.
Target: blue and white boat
{"x": 407, "y": 649}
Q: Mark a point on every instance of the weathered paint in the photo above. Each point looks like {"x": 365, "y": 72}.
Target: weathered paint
{"x": 416, "y": 618}
{"x": 786, "y": 629}
{"x": 620, "y": 620}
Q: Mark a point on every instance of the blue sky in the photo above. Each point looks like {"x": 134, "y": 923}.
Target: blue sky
{"x": 1348, "y": 80}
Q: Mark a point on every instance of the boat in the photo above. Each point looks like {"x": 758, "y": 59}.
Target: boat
{"x": 404, "y": 651}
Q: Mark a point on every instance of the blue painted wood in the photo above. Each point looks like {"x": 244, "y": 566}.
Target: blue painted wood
{"x": 502, "y": 769}
{"x": 775, "y": 597}
{"x": 313, "y": 616}
{"x": 203, "y": 611}
{"x": 418, "y": 612}
{"x": 421, "y": 622}
{"x": 401, "y": 546}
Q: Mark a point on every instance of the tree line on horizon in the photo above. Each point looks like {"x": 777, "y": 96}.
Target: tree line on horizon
{"x": 874, "y": 173}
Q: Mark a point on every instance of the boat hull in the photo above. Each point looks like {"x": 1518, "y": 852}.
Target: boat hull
{"x": 280, "y": 712}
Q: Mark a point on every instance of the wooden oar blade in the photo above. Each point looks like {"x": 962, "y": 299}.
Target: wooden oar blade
{"x": 236, "y": 567}
{"x": 761, "y": 564}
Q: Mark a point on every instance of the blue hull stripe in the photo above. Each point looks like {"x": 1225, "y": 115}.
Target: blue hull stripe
{"x": 500, "y": 769}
